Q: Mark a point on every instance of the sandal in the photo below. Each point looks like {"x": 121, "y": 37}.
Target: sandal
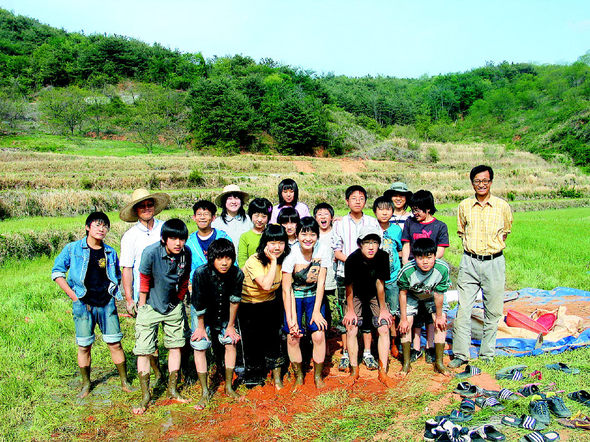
{"x": 467, "y": 406}
{"x": 540, "y": 437}
{"x": 490, "y": 402}
{"x": 469, "y": 371}
{"x": 529, "y": 390}
{"x": 576, "y": 421}
{"x": 456, "y": 416}
{"x": 563, "y": 367}
{"x": 513, "y": 373}
{"x": 503, "y": 395}
{"x": 581, "y": 396}
{"x": 526, "y": 422}
{"x": 489, "y": 432}
{"x": 465, "y": 389}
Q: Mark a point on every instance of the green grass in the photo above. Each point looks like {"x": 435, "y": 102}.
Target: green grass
{"x": 78, "y": 145}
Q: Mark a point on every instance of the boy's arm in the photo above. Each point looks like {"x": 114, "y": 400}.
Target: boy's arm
{"x": 383, "y": 310}
{"x": 440, "y": 251}
{"x": 62, "y": 283}
{"x": 61, "y": 266}
{"x": 350, "y": 318}
{"x": 230, "y": 330}
{"x": 403, "y": 312}
{"x": 440, "y": 321}
{"x": 316, "y": 316}
{"x": 339, "y": 255}
{"x": 200, "y": 332}
{"x": 405, "y": 252}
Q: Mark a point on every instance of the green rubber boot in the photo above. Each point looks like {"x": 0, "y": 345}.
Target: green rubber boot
{"x": 439, "y": 367}
{"x": 406, "y": 352}
{"x": 298, "y": 372}
{"x": 85, "y": 372}
{"x": 125, "y": 384}
{"x": 318, "y": 367}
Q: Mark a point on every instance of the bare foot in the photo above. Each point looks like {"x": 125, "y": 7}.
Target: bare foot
{"x": 138, "y": 410}
{"x": 384, "y": 379}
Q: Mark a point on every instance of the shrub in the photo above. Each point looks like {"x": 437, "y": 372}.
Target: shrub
{"x": 196, "y": 177}
{"x": 511, "y": 196}
{"x": 433, "y": 155}
{"x": 569, "y": 192}
{"x": 86, "y": 183}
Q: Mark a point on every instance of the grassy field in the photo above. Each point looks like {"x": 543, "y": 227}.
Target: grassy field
{"x": 59, "y": 180}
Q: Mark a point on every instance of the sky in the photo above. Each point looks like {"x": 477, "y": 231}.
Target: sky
{"x": 405, "y": 39}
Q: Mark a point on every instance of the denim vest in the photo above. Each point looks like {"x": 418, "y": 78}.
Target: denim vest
{"x": 74, "y": 257}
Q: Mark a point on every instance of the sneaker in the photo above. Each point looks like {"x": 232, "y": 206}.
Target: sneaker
{"x": 344, "y": 363}
{"x": 456, "y": 363}
{"x": 429, "y": 356}
{"x": 539, "y": 409}
{"x": 415, "y": 355}
{"x": 370, "y": 361}
{"x": 557, "y": 406}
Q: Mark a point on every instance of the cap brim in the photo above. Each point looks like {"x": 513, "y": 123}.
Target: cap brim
{"x": 161, "y": 201}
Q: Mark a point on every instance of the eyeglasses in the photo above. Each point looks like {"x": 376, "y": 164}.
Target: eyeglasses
{"x": 99, "y": 225}
{"x": 484, "y": 182}
{"x": 145, "y": 205}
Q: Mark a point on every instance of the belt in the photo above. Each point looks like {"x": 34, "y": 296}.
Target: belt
{"x": 483, "y": 257}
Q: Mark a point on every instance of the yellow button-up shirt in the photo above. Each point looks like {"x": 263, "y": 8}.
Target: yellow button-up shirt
{"x": 484, "y": 226}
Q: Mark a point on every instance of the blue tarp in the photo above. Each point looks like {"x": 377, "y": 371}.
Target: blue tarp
{"x": 526, "y": 347}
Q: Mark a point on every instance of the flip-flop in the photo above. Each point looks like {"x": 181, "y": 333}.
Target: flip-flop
{"x": 467, "y": 406}
{"x": 576, "y": 421}
{"x": 489, "y": 432}
{"x": 513, "y": 372}
{"x": 550, "y": 436}
{"x": 562, "y": 367}
{"x": 469, "y": 371}
{"x": 503, "y": 395}
{"x": 581, "y": 396}
{"x": 465, "y": 389}
{"x": 526, "y": 422}
{"x": 490, "y": 402}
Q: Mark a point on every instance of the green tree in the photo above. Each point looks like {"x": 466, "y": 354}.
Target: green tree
{"x": 65, "y": 108}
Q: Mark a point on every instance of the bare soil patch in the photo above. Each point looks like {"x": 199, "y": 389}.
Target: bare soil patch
{"x": 304, "y": 166}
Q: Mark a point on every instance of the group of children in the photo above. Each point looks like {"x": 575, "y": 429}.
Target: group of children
{"x": 260, "y": 283}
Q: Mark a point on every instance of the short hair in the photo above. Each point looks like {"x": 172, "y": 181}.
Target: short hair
{"x": 205, "y": 205}
{"x": 424, "y": 247}
{"x": 479, "y": 169}
{"x": 260, "y": 205}
{"x": 220, "y": 248}
{"x": 355, "y": 188}
{"x": 308, "y": 224}
{"x": 424, "y": 201}
{"x": 174, "y": 228}
{"x": 97, "y": 216}
{"x": 288, "y": 215}
{"x": 321, "y": 206}
{"x": 382, "y": 202}
{"x": 272, "y": 232}
{"x": 288, "y": 184}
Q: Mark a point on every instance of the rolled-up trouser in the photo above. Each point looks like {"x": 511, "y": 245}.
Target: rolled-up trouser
{"x": 490, "y": 277}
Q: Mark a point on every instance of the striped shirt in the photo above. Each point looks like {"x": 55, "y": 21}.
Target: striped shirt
{"x": 422, "y": 285}
{"x": 482, "y": 226}
{"x": 346, "y": 232}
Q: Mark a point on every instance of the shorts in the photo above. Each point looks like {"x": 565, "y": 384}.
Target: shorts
{"x": 304, "y": 307}
{"x": 392, "y": 297}
{"x": 146, "y": 329}
{"x": 367, "y": 313}
{"x": 205, "y": 344}
{"x": 87, "y": 316}
{"x": 416, "y": 305}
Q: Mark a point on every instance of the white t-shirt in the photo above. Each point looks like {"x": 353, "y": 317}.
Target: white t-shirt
{"x": 326, "y": 241}
{"x": 133, "y": 242}
{"x": 295, "y": 258}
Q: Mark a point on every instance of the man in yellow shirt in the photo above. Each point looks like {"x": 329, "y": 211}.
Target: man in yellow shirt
{"x": 483, "y": 223}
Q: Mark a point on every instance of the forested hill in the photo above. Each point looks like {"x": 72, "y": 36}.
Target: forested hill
{"x": 69, "y": 82}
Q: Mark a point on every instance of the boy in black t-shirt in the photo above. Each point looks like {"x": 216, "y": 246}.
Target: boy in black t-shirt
{"x": 365, "y": 273}
{"x": 93, "y": 278}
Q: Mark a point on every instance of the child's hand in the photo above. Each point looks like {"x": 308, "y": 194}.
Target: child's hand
{"x": 199, "y": 334}
{"x": 318, "y": 319}
{"x": 131, "y": 308}
{"x": 385, "y": 315}
{"x": 293, "y": 328}
{"x": 404, "y": 326}
{"x": 440, "y": 322}
{"x": 230, "y": 332}
{"x": 350, "y": 318}
{"x": 269, "y": 255}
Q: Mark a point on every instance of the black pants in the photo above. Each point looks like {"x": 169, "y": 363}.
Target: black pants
{"x": 260, "y": 325}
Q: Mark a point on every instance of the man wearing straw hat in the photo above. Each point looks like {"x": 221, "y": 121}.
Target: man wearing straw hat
{"x": 146, "y": 231}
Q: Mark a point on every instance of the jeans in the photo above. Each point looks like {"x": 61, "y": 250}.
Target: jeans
{"x": 87, "y": 316}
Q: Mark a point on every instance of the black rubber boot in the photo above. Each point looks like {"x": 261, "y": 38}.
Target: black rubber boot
{"x": 298, "y": 372}
{"x": 125, "y": 384}
{"x": 85, "y": 372}
{"x": 438, "y": 362}
{"x": 318, "y": 367}
{"x": 406, "y": 350}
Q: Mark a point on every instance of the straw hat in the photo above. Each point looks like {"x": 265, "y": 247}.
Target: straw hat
{"x": 232, "y": 188}
{"x": 129, "y": 214}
